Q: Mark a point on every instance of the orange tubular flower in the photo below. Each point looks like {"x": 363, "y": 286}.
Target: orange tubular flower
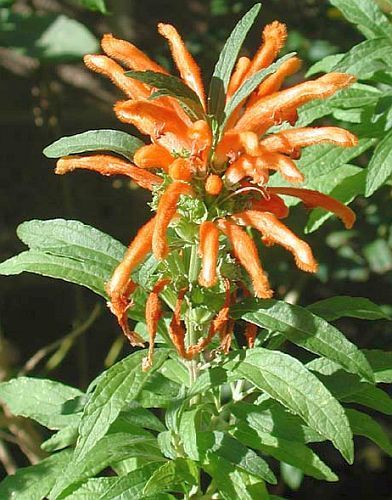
{"x": 274, "y": 231}
{"x": 208, "y": 251}
{"x": 153, "y": 156}
{"x": 221, "y": 164}
{"x": 165, "y": 212}
{"x": 189, "y": 70}
{"x": 121, "y": 286}
{"x": 265, "y": 112}
{"x": 314, "y": 199}
{"x": 245, "y": 251}
{"x": 108, "y": 165}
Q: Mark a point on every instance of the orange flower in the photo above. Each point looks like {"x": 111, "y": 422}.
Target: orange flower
{"x": 211, "y": 175}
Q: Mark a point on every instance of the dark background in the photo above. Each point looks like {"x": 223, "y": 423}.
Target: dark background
{"x": 42, "y": 99}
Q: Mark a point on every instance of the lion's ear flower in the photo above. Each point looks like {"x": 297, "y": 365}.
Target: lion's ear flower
{"x": 221, "y": 165}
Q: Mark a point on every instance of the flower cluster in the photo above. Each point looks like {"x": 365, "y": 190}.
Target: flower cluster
{"x": 223, "y": 165}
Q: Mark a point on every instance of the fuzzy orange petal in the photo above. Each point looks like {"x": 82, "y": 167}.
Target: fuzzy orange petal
{"x": 266, "y": 111}
{"x": 236, "y": 78}
{"x": 166, "y": 210}
{"x": 181, "y": 169}
{"x": 274, "y": 231}
{"x": 290, "y": 141}
{"x": 163, "y": 125}
{"x": 153, "y": 156}
{"x": 274, "y": 38}
{"x": 208, "y": 250}
{"x": 314, "y": 199}
{"x": 189, "y": 70}
{"x": 273, "y": 204}
{"x": 282, "y": 164}
{"x": 129, "y": 55}
{"x": 245, "y": 252}
{"x": 105, "y": 66}
{"x": 108, "y": 165}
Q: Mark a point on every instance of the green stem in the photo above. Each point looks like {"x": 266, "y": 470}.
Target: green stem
{"x": 190, "y": 327}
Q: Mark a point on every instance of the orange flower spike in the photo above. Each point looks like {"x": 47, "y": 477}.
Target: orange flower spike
{"x": 250, "y": 334}
{"x": 108, "y": 165}
{"x": 201, "y": 136}
{"x": 208, "y": 251}
{"x": 153, "y": 156}
{"x": 163, "y": 125}
{"x": 189, "y": 70}
{"x": 181, "y": 170}
{"x": 237, "y": 76}
{"x": 264, "y": 112}
{"x": 235, "y": 143}
{"x": 274, "y": 38}
{"x": 273, "y": 82}
{"x": 273, "y": 204}
{"x": 166, "y": 210}
{"x": 289, "y": 141}
{"x": 120, "y": 285}
{"x": 247, "y": 166}
{"x": 274, "y": 231}
{"x": 245, "y": 252}
{"x": 129, "y": 55}
{"x": 213, "y": 185}
{"x": 153, "y": 315}
{"x": 314, "y": 199}
{"x": 105, "y": 66}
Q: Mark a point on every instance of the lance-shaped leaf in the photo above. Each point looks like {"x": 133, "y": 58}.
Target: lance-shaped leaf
{"x": 285, "y": 379}
{"x": 227, "y": 59}
{"x": 367, "y": 16}
{"x": 95, "y": 140}
{"x": 108, "y": 450}
{"x": 291, "y": 452}
{"x": 380, "y": 166}
{"x": 251, "y": 84}
{"x": 381, "y": 363}
{"x": 35, "y": 482}
{"x": 306, "y": 330}
{"x": 347, "y": 307}
{"x": 45, "y": 401}
{"x": 363, "y": 425}
{"x": 171, "y": 475}
{"x": 114, "y": 390}
{"x": 169, "y": 85}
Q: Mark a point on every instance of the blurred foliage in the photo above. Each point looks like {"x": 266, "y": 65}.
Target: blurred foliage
{"x": 46, "y": 93}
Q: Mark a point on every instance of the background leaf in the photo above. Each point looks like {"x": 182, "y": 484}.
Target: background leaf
{"x": 352, "y": 307}
{"x": 380, "y": 166}
{"x": 95, "y": 140}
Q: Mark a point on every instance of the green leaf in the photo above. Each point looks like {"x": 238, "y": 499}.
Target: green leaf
{"x": 349, "y": 307}
{"x": 173, "y": 86}
{"x": 251, "y": 84}
{"x": 372, "y": 397}
{"x": 366, "y": 58}
{"x": 93, "y": 488}
{"x": 285, "y": 379}
{"x": 306, "y": 330}
{"x": 132, "y": 484}
{"x": 292, "y": 476}
{"x": 367, "y": 16}
{"x": 291, "y": 452}
{"x": 380, "y": 166}
{"x": 109, "y": 450}
{"x": 378, "y": 253}
{"x": 95, "y": 5}
{"x": 232, "y": 482}
{"x": 46, "y": 401}
{"x": 62, "y": 439}
{"x": 363, "y": 425}
{"x": 114, "y": 389}
{"x": 143, "y": 418}
{"x": 95, "y": 140}
{"x": 381, "y": 363}
{"x": 325, "y": 65}
{"x": 345, "y": 191}
{"x": 227, "y": 59}
{"x": 35, "y": 482}
{"x": 68, "y": 250}
{"x": 222, "y": 445}
{"x": 171, "y": 475}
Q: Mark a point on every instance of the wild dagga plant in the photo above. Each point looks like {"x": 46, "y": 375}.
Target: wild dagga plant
{"x": 198, "y": 417}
